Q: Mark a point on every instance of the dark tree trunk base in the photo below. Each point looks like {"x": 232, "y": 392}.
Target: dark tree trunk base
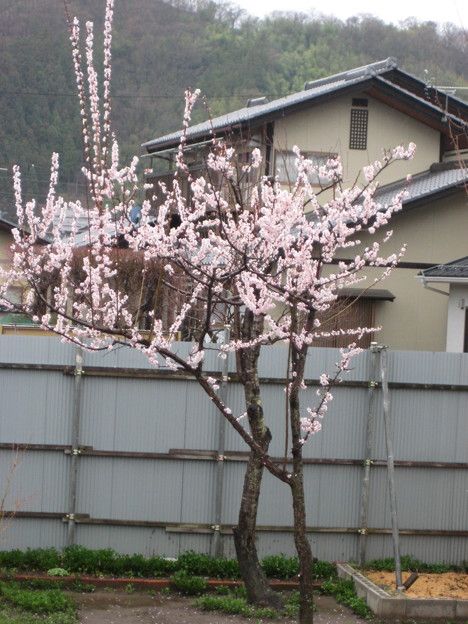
{"x": 256, "y": 584}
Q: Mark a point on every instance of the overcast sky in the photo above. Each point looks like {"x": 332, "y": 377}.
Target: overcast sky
{"x": 455, "y": 11}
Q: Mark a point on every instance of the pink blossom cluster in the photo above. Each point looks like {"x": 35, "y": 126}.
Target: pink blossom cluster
{"x": 260, "y": 253}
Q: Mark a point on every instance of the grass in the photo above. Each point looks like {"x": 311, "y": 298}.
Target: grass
{"x": 36, "y": 601}
{"x": 343, "y": 591}
{"x": 233, "y": 605}
{"x": 9, "y": 615}
{"x": 26, "y": 606}
{"x": 234, "y": 602}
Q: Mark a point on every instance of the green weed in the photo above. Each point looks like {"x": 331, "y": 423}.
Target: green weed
{"x": 343, "y": 591}
{"x": 187, "y": 584}
{"x": 36, "y": 601}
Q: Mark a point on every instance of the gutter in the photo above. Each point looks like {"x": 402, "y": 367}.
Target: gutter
{"x": 424, "y": 281}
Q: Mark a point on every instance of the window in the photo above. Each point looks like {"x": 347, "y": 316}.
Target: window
{"x": 347, "y": 313}
{"x": 286, "y": 170}
{"x": 358, "y": 125}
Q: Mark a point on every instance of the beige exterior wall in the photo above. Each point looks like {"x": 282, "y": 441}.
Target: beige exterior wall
{"x": 5, "y": 243}
{"x": 325, "y": 128}
{"x": 434, "y": 233}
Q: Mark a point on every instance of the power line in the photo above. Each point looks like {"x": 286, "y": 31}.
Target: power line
{"x": 130, "y": 96}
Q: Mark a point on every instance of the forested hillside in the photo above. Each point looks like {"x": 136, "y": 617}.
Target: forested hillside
{"x": 161, "y": 48}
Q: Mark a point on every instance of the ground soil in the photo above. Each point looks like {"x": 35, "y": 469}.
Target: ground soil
{"x": 446, "y": 585}
{"x": 110, "y": 607}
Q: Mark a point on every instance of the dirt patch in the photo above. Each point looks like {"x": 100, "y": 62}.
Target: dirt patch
{"x": 446, "y": 585}
{"x": 109, "y": 607}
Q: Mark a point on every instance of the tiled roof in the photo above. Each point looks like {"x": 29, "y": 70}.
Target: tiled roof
{"x": 380, "y": 71}
{"x": 424, "y": 185}
{"x": 314, "y": 89}
{"x": 7, "y": 221}
{"x": 450, "y": 270}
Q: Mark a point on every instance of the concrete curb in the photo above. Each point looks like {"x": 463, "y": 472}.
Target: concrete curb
{"x": 385, "y": 605}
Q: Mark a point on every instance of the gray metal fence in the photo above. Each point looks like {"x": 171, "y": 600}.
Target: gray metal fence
{"x": 126, "y": 456}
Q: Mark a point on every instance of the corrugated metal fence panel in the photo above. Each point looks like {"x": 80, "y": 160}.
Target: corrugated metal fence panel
{"x": 36, "y": 349}
{"x": 428, "y": 367}
{"x": 343, "y": 427}
{"x": 125, "y": 414}
{"x": 435, "y": 419}
{"x": 35, "y": 407}
{"x": 129, "y": 489}
{"x": 34, "y": 481}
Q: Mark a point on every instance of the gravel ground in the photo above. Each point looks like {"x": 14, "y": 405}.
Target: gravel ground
{"x": 109, "y": 607}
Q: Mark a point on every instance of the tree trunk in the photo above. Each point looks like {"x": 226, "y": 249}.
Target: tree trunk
{"x": 304, "y": 551}
{"x": 256, "y": 583}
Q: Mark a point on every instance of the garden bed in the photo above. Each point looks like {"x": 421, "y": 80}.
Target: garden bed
{"x": 388, "y": 603}
{"x": 444, "y": 585}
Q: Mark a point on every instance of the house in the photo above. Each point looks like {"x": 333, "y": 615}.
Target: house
{"x": 357, "y": 114}
{"x": 455, "y": 274}
{"x": 7, "y": 317}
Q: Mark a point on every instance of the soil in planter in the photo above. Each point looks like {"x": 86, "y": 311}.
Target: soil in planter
{"x": 445, "y": 585}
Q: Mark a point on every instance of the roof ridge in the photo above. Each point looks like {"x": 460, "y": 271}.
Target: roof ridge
{"x": 371, "y": 69}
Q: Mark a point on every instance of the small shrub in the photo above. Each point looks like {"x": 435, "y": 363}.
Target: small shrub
{"x": 57, "y": 572}
{"x": 31, "y": 559}
{"x": 204, "y": 565}
{"x": 187, "y": 584}
{"x": 222, "y": 590}
{"x": 40, "y": 583}
{"x": 239, "y": 592}
{"x": 41, "y": 558}
{"x": 279, "y": 566}
{"x": 82, "y": 588}
{"x": 11, "y": 559}
{"x": 161, "y": 566}
{"x": 264, "y": 612}
{"x": 79, "y": 559}
{"x": 324, "y": 570}
{"x": 291, "y": 607}
{"x": 409, "y": 563}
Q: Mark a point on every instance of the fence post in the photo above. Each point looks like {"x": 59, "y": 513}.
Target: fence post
{"x": 75, "y": 448}
{"x": 390, "y": 466}
{"x": 370, "y": 422}
{"x": 217, "y": 543}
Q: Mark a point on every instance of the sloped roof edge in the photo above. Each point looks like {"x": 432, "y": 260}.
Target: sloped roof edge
{"x": 450, "y": 271}
{"x": 321, "y": 88}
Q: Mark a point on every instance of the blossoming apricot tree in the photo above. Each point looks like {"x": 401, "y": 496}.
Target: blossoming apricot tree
{"x": 255, "y": 262}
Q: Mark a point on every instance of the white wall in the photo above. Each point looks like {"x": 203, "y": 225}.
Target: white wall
{"x": 458, "y": 301}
